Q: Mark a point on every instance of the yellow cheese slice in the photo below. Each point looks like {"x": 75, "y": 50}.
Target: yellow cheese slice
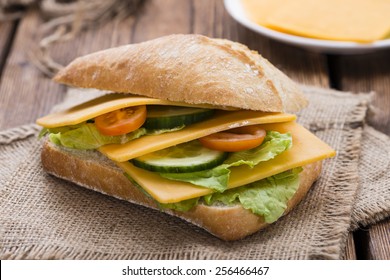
{"x": 259, "y": 10}
{"x": 307, "y": 148}
{"x": 102, "y": 105}
{"x": 361, "y": 21}
{"x": 223, "y": 120}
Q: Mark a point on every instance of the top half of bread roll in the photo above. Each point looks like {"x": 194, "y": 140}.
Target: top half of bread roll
{"x": 190, "y": 68}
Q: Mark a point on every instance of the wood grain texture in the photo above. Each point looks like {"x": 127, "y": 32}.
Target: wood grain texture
{"x": 107, "y": 35}
{"x": 7, "y": 30}
{"x": 350, "y": 252}
{"x": 159, "y": 18}
{"x": 23, "y": 88}
{"x": 36, "y": 93}
{"x": 366, "y": 73}
{"x": 379, "y": 241}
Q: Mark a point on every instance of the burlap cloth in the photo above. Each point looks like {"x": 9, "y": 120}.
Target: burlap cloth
{"x": 43, "y": 217}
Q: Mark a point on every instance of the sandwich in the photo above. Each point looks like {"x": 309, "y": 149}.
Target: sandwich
{"x": 200, "y": 128}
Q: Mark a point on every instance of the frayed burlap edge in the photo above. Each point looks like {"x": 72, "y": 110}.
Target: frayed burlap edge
{"x": 345, "y": 178}
{"x": 372, "y": 205}
{"x": 21, "y": 132}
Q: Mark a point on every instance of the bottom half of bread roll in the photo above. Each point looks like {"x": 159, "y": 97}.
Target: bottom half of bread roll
{"x": 92, "y": 170}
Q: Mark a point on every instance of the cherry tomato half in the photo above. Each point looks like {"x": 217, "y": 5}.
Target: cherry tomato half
{"x": 121, "y": 121}
{"x": 234, "y": 140}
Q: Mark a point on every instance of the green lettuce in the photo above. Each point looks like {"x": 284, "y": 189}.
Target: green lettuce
{"x": 274, "y": 144}
{"x": 267, "y": 197}
{"x": 217, "y": 178}
{"x": 86, "y": 136}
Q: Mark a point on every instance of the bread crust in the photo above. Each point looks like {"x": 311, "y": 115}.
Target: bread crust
{"x": 188, "y": 68}
{"x": 92, "y": 170}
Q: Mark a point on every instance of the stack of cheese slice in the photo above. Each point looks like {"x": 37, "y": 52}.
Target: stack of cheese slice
{"x": 362, "y": 21}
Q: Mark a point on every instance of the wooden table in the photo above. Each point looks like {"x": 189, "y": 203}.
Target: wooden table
{"x": 26, "y": 94}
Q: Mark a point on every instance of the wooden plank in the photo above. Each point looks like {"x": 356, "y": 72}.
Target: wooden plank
{"x": 350, "y": 252}
{"x": 108, "y": 35}
{"x": 22, "y": 82}
{"x": 159, "y": 18}
{"x": 366, "y": 73}
{"x": 21, "y": 93}
{"x": 6, "y": 36}
{"x": 379, "y": 241}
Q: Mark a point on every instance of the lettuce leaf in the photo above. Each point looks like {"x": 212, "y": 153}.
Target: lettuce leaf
{"x": 274, "y": 144}
{"x": 267, "y": 197}
{"x": 86, "y": 136}
{"x": 217, "y": 178}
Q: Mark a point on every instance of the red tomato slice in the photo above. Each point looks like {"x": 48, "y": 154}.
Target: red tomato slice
{"x": 234, "y": 140}
{"x": 121, "y": 121}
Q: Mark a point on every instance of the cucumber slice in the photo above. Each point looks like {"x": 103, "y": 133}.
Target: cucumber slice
{"x": 167, "y": 117}
{"x": 186, "y": 157}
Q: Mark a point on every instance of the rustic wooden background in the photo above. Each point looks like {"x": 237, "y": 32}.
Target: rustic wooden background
{"x": 25, "y": 93}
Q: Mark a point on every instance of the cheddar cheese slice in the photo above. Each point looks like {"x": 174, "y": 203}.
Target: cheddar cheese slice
{"x": 259, "y": 10}
{"x": 307, "y": 148}
{"x": 102, "y": 105}
{"x": 362, "y": 21}
{"x": 223, "y": 120}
